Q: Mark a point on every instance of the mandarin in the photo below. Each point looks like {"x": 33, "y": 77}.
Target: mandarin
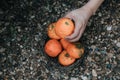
{"x": 64, "y": 43}
{"x": 65, "y": 59}
{"x": 53, "y": 47}
{"x": 64, "y": 27}
{"x": 51, "y": 31}
{"x": 75, "y": 50}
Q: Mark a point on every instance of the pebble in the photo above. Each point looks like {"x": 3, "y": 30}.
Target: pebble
{"x": 109, "y": 28}
{"x": 93, "y": 47}
{"x": 100, "y": 14}
{"x": 108, "y": 66}
{"x": 98, "y": 53}
{"x": 31, "y": 68}
{"x": 99, "y": 77}
{"x": 118, "y": 56}
{"x": 94, "y": 73}
{"x": 1, "y": 73}
{"x": 118, "y": 44}
{"x": 103, "y": 51}
{"x": 32, "y": 16}
{"x": 115, "y": 41}
{"x": 27, "y": 38}
{"x": 19, "y": 30}
{"x": 66, "y": 77}
{"x": 73, "y": 78}
{"x": 89, "y": 59}
{"x": 2, "y": 50}
{"x": 110, "y": 55}
{"x": 84, "y": 77}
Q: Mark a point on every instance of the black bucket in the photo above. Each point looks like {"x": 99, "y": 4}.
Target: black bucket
{"x": 52, "y": 63}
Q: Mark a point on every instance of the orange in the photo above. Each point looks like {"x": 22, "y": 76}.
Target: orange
{"x": 53, "y": 47}
{"x": 64, "y": 43}
{"x": 65, "y": 59}
{"x": 64, "y": 27}
{"x": 51, "y": 31}
{"x": 75, "y": 50}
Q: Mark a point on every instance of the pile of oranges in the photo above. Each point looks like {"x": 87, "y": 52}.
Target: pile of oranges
{"x": 57, "y": 46}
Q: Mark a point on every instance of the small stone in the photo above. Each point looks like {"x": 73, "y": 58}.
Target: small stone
{"x": 108, "y": 66}
{"x": 7, "y": 23}
{"x": 100, "y": 14}
{"x": 99, "y": 77}
{"x": 115, "y": 41}
{"x": 110, "y": 55}
{"x": 66, "y": 77}
{"x": 21, "y": 46}
{"x": 109, "y": 28}
{"x": 97, "y": 58}
{"x": 32, "y": 16}
{"x": 98, "y": 53}
{"x": 31, "y": 68}
{"x": 19, "y": 30}
{"x": 1, "y": 73}
{"x": 93, "y": 47}
{"x": 84, "y": 77}
{"x": 33, "y": 49}
{"x": 118, "y": 56}
{"x": 118, "y": 44}
{"x": 103, "y": 33}
{"x": 13, "y": 73}
{"x": 89, "y": 59}
{"x": 73, "y": 78}
{"x": 18, "y": 38}
{"x": 103, "y": 52}
{"x": 2, "y": 50}
{"x": 37, "y": 38}
{"x": 94, "y": 73}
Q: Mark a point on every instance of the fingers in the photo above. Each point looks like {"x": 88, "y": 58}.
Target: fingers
{"x": 76, "y": 31}
{"x": 79, "y": 27}
{"x": 79, "y": 35}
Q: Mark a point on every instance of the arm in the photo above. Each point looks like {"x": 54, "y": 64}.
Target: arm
{"x": 81, "y": 17}
{"x": 93, "y": 5}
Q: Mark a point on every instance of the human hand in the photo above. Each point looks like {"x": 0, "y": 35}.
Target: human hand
{"x": 80, "y": 17}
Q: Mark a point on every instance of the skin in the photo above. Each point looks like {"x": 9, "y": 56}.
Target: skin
{"x": 81, "y": 16}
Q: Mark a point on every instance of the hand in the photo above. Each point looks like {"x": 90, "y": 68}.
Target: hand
{"x": 80, "y": 17}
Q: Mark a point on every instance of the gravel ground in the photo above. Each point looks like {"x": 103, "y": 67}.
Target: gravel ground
{"x": 23, "y": 26}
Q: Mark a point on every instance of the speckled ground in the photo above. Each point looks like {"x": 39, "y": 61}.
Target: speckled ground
{"x": 23, "y": 26}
